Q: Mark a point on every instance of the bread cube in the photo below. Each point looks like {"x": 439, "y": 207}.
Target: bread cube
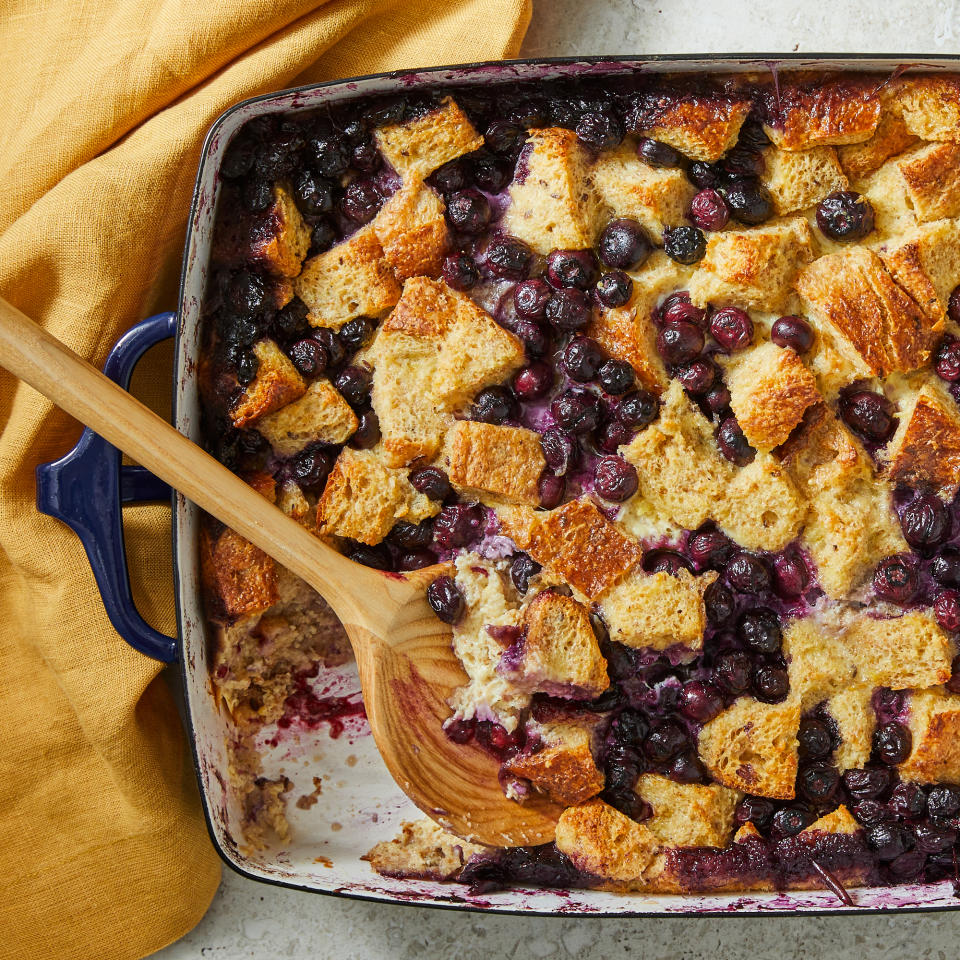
{"x": 700, "y": 127}
{"x": 688, "y": 814}
{"x": 752, "y": 747}
{"x": 580, "y": 544}
{"x": 828, "y": 113}
{"x": 412, "y": 231}
{"x": 657, "y": 610}
{"x": 872, "y": 322}
{"x": 755, "y": 267}
{"x": 602, "y": 841}
{"x": 239, "y": 579}
{"x": 321, "y": 415}
{"x": 422, "y": 850}
{"x": 655, "y": 197}
{"x": 818, "y": 663}
{"x": 930, "y": 106}
{"x": 364, "y": 498}
{"x": 770, "y": 390}
{"x": 416, "y": 148}
{"x": 504, "y": 461}
{"x": 925, "y": 450}
{"x": 852, "y": 711}
{"x": 352, "y": 279}
{"x": 276, "y": 384}
{"x": 891, "y": 137}
{"x": 840, "y": 821}
{"x": 934, "y": 723}
{"x": 295, "y": 505}
{"x": 559, "y": 653}
{"x": 564, "y": 768}
{"x": 900, "y": 652}
{"x": 553, "y": 205}
{"x": 800, "y": 179}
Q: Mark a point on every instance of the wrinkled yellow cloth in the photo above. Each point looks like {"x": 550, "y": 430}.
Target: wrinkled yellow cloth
{"x": 103, "y": 108}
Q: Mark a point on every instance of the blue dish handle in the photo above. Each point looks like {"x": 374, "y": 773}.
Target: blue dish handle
{"x": 86, "y": 488}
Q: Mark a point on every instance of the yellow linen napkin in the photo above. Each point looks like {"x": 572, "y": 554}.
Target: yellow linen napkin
{"x": 103, "y": 108}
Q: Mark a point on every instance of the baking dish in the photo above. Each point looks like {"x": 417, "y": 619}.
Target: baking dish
{"x": 359, "y": 804}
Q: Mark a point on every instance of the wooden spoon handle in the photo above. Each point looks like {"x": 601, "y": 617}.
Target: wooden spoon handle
{"x": 50, "y": 367}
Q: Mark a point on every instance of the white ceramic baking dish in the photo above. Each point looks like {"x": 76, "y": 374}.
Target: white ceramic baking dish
{"x": 359, "y": 804}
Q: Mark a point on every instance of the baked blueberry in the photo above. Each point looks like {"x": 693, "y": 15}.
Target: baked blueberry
{"x": 748, "y": 200}
{"x": 522, "y": 568}
{"x": 868, "y": 414}
{"x": 925, "y": 521}
{"x": 354, "y": 384}
{"x": 446, "y": 599}
{"x": 614, "y": 289}
{"x": 732, "y": 328}
{"x": 600, "y": 129}
{"x": 550, "y": 489}
{"x": 367, "y": 434}
{"x": 658, "y": 154}
{"x": 616, "y": 377}
{"x": 624, "y": 244}
{"x": 533, "y": 381}
{"x": 577, "y": 412}
{"x": 568, "y": 309}
{"x": 559, "y": 450}
{"x": 458, "y": 524}
{"x": 432, "y": 482}
{"x": 895, "y": 579}
{"x": 615, "y": 479}
{"x": 679, "y": 342}
{"x": 891, "y": 743}
{"x": 946, "y": 610}
{"x": 748, "y": 573}
{"x": 530, "y": 299}
{"x": 792, "y": 332}
{"x": 506, "y": 258}
{"x": 733, "y": 444}
{"x": 697, "y": 377}
{"x": 493, "y": 405}
{"x": 709, "y": 211}
{"x": 684, "y": 244}
{"x": 308, "y": 357}
{"x": 355, "y": 334}
{"x": 638, "y": 408}
{"x": 361, "y": 201}
{"x": 946, "y": 359}
{"x": 468, "y": 211}
{"x": 845, "y": 216}
{"x": 582, "y": 359}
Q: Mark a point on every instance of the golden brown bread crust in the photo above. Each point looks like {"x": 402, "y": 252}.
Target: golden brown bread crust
{"x": 688, "y": 814}
{"x": 801, "y": 179}
{"x": 422, "y": 850}
{"x": 321, "y": 415}
{"x": 934, "y": 723}
{"x": 770, "y": 390}
{"x": 504, "y": 461}
{"x": 276, "y": 384}
{"x": 925, "y": 450}
{"x": 582, "y": 546}
{"x": 930, "y": 106}
{"x": 752, "y": 747}
{"x": 818, "y": 664}
{"x": 891, "y": 137}
{"x": 852, "y": 711}
{"x": 701, "y": 127}
{"x": 239, "y": 579}
{"x": 412, "y": 231}
{"x": 825, "y": 114}
{"x": 931, "y": 176}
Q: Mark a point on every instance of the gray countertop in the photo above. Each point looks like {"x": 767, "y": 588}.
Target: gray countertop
{"x": 248, "y": 919}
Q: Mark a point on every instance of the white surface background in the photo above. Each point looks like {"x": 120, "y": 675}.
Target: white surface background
{"x": 248, "y": 919}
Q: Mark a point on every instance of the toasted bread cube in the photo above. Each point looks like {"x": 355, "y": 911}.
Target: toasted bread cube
{"x": 264, "y": 483}
{"x": 350, "y": 280}
{"x": 818, "y": 663}
{"x": 852, "y": 711}
{"x": 364, "y": 498}
{"x": 925, "y": 450}
{"x": 657, "y": 610}
{"x": 564, "y": 769}
{"x": 679, "y": 467}
{"x": 320, "y": 415}
{"x": 422, "y": 850}
{"x": 412, "y": 231}
{"x": 891, "y": 137}
{"x": 801, "y": 179}
{"x": 931, "y": 174}
{"x": 239, "y": 579}
{"x": 851, "y": 524}
{"x": 755, "y": 267}
{"x": 580, "y": 544}
{"x": 629, "y": 332}
{"x": 762, "y": 508}
{"x": 295, "y": 505}
{"x": 602, "y": 841}
{"x": 276, "y": 384}
{"x": 901, "y": 652}
{"x": 653, "y": 196}
{"x": 873, "y": 323}
{"x": 837, "y": 822}
{"x": 417, "y": 148}
{"x": 827, "y": 114}
{"x": 427, "y": 309}
{"x": 930, "y": 106}
{"x": 934, "y": 724}
{"x": 559, "y": 654}
{"x": 701, "y": 127}
{"x": 770, "y": 390}
{"x": 504, "y": 461}
{"x": 688, "y": 814}
{"x": 752, "y": 747}
{"x": 926, "y": 263}
{"x": 553, "y": 205}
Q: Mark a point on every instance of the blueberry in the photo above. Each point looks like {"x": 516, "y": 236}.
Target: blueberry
{"x": 752, "y": 134}
{"x": 530, "y": 299}
{"x": 891, "y": 743}
{"x": 748, "y": 200}
{"x": 354, "y": 385}
{"x": 450, "y": 178}
{"x": 291, "y": 318}
{"x": 534, "y": 338}
{"x": 868, "y": 414}
{"x": 322, "y": 237}
{"x": 678, "y": 307}
{"x": 889, "y": 840}
{"x": 247, "y": 367}
{"x": 946, "y": 609}
{"x": 953, "y": 684}
{"x": 600, "y": 129}
{"x": 624, "y": 244}
{"x": 771, "y": 683}
{"x": 665, "y": 741}
{"x": 615, "y": 479}
{"x": 742, "y": 163}
{"x": 522, "y": 568}
{"x": 871, "y": 812}
{"x": 257, "y": 195}
{"x": 616, "y": 377}
{"x": 709, "y": 548}
{"x": 365, "y": 156}
{"x": 869, "y": 783}
{"x": 704, "y": 175}
{"x": 731, "y": 671}
{"x": 446, "y": 599}
{"x": 792, "y": 332}
{"x": 377, "y": 557}
{"x": 238, "y": 330}
{"x": 468, "y": 211}
{"x": 238, "y": 160}
{"x": 355, "y": 333}
{"x": 907, "y": 800}
{"x": 568, "y": 309}
{"x": 789, "y": 821}
{"x": 361, "y": 201}
{"x": 943, "y": 800}
{"x": 700, "y": 700}
{"x": 953, "y": 305}
{"x": 308, "y": 357}
{"x": 697, "y": 377}
{"x": 756, "y": 810}
{"x": 313, "y": 196}
{"x": 895, "y": 579}
{"x": 505, "y": 138}
{"x": 489, "y": 172}
{"x": 411, "y": 536}
{"x": 571, "y": 268}
{"x": 493, "y": 405}
{"x": 638, "y": 408}
{"x": 814, "y": 738}
{"x": 845, "y": 216}
{"x": 733, "y": 444}
{"x": 925, "y": 521}
{"x": 330, "y": 156}
{"x": 818, "y": 781}
{"x": 582, "y": 359}
{"x": 612, "y": 435}
{"x": 367, "y": 434}
{"x": 717, "y": 401}
{"x": 748, "y": 573}
{"x": 663, "y": 560}
{"x": 709, "y": 211}
{"x": 732, "y": 328}
{"x": 614, "y": 289}
{"x": 687, "y": 767}
{"x": 759, "y": 629}
{"x": 311, "y": 467}
{"x": 559, "y": 450}
{"x": 416, "y": 559}
{"x": 533, "y": 381}
{"x": 684, "y": 244}
{"x": 935, "y": 837}
{"x": 550, "y": 489}
{"x": 458, "y": 525}
{"x": 507, "y": 258}
{"x": 247, "y": 293}
{"x": 718, "y": 602}
{"x": 946, "y": 358}
{"x": 332, "y": 344}
{"x": 679, "y": 342}
{"x": 658, "y": 154}
{"x": 790, "y": 576}
{"x": 432, "y": 482}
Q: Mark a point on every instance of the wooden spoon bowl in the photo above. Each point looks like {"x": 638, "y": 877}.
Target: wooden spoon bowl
{"x": 405, "y": 658}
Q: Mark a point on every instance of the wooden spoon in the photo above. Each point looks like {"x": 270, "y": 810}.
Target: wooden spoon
{"x": 407, "y": 666}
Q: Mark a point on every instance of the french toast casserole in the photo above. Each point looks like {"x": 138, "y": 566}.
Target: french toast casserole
{"x": 660, "y": 374}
